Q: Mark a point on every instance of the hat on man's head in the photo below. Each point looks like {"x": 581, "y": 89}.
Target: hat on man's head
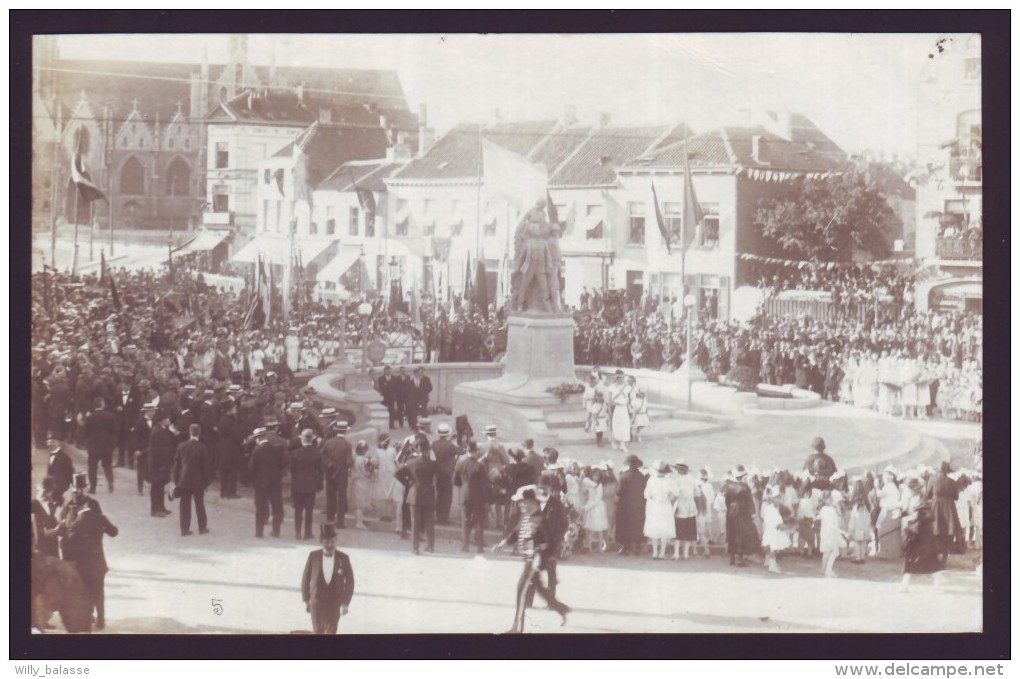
{"x": 739, "y": 472}
{"x": 272, "y": 422}
{"x": 443, "y": 429}
{"x": 234, "y": 388}
{"x": 190, "y": 387}
{"x": 307, "y": 436}
{"x": 328, "y": 412}
{"x": 681, "y": 464}
{"x": 525, "y": 493}
{"x": 633, "y": 461}
{"x": 259, "y": 431}
{"x": 661, "y": 467}
{"x": 341, "y": 426}
{"x": 384, "y": 439}
{"x": 424, "y": 423}
{"x": 81, "y": 481}
{"x": 619, "y": 372}
{"x": 327, "y": 531}
{"x": 297, "y": 406}
{"x": 490, "y": 429}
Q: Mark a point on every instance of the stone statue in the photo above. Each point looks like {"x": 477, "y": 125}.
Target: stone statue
{"x": 535, "y": 283}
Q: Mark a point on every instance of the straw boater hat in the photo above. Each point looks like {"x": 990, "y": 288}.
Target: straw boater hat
{"x": 443, "y": 430}
{"x": 341, "y": 426}
{"x": 424, "y": 424}
{"x": 490, "y": 429}
{"x": 525, "y": 493}
{"x": 681, "y": 464}
{"x": 328, "y": 412}
{"x": 661, "y": 467}
{"x": 297, "y": 406}
{"x": 739, "y": 472}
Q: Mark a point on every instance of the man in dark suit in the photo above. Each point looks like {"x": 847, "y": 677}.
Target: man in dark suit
{"x": 405, "y": 401}
{"x": 100, "y": 431}
{"x": 305, "y": 482}
{"x": 532, "y": 458}
{"x": 60, "y": 468}
{"x": 327, "y": 584}
{"x": 126, "y": 407}
{"x": 160, "y": 462}
{"x": 138, "y": 443}
{"x": 231, "y": 443}
{"x": 420, "y": 388}
{"x": 192, "y": 474}
{"x": 422, "y": 498}
{"x": 446, "y": 453}
{"x": 472, "y": 478}
{"x": 387, "y": 388}
{"x": 338, "y": 460}
{"x": 83, "y": 546}
{"x": 268, "y": 462}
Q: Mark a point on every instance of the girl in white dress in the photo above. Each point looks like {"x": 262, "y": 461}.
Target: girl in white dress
{"x": 588, "y": 399}
{"x": 830, "y": 537}
{"x": 773, "y": 537}
{"x": 384, "y": 479}
{"x": 660, "y": 494}
{"x": 866, "y": 383}
{"x": 639, "y": 406}
{"x": 599, "y": 418}
{"x": 706, "y": 509}
{"x": 363, "y": 482}
{"x": 596, "y": 521}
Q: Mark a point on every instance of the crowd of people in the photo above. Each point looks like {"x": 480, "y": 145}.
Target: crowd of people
{"x": 852, "y": 286}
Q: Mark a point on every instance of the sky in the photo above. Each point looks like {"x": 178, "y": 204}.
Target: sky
{"x": 860, "y": 89}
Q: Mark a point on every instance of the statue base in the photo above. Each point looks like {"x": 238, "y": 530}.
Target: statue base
{"x": 539, "y": 355}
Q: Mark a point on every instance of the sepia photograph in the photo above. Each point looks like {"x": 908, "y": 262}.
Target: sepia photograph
{"x": 544, "y": 333}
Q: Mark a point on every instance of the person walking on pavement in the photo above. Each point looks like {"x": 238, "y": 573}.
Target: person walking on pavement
{"x": 446, "y": 453}
{"x": 159, "y": 462}
{"x": 82, "y": 536}
{"x": 327, "y": 584}
{"x": 138, "y": 442}
{"x": 269, "y": 461}
{"x": 533, "y": 543}
{"x": 231, "y": 450}
{"x": 422, "y": 498}
{"x": 472, "y": 478}
{"x": 305, "y": 482}
{"x": 100, "y": 431}
{"x": 60, "y": 467}
{"x": 338, "y": 459}
{"x": 192, "y": 473}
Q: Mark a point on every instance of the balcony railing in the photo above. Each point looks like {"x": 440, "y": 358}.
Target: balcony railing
{"x": 965, "y": 168}
{"x": 960, "y": 248}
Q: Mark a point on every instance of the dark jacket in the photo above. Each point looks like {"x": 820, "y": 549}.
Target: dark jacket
{"x": 229, "y": 438}
{"x": 138, "y": 436}
{"x": 44, "y": 528}
{"x": 192, "y": 466}
{"x": 423, "y": 491}
{"x": 555, "y": 523}
{"x": 84, "y": 541}
{"x": 306, "y": 470}
{"x": 268, "y": 462}
{"x": 338, "y": 458}
{"x": 100, "y": 433}
{"x": 630, "y": 507}
{"x": 161, "y": 455}
{"x": 472, "y": 478}
{"x": 61, "y": 469}
{"x": 339, "y": 591}
{"x": 446, "y": 453}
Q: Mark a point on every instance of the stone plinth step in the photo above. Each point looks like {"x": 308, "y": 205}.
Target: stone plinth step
{"x": 666, "y": 428}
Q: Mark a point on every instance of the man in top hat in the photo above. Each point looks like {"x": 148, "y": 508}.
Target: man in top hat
{"x": 327, "y": 584}
{"x": 100, "y": 431}
{"x": 60, "y": 468}
{"x": 161, "y": 449}
{"x": 338, "y": 460}
{"x": 269, "y": 460}
{"x": 82, "y": 539}
{"x": 230, "y": 440}
{"x": 192, "y": 474}
{"x": 45, "y": 509}
{"x": 446, "y": 453}
{"x": 305, "y": 482}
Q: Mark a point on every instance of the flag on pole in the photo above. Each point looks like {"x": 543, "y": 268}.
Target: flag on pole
{"x": 467, "y": 279}
{"x": 510, "y": 176}
{"x": 550, "y": 208}
{"x": 81, "y": 177}
{"x": 692, "y": 209}
{"x": 302, "y": 180}
{"x": 367, "y": 200}
{"x": 666, "y": 235}
{"x": 278, "y": 176}
{"x": 102, "y": 265}
{"x": 571, "y": 218}
{"x": 481, "y": 291}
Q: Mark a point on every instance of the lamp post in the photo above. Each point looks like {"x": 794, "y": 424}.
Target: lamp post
{"x": 689, "y": 308}
{"x": 364, "y": 311}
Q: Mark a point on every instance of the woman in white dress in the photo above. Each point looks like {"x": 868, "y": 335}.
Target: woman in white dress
{"x": 705, "y": 501}
{"x": 598, "y": 416}
{"x": 588, "y": 399}
{"x": 619, "y": 399}
{"x": 363, "y": 482}
{"x": 596, "y": 520}
{"x": 660, "y": 494}
{"x": 773, "y": 538}
{"x": 639, "y": 406}
{"x": 909, "y": 375}
{"x": 886, "y": 378}
{"x": 388, "y": 492}
{"x": 866, "y": 383}
{"x": 849, "y": 377}
{"x": 887, "y": 526}
{"x": 830, "y": 537}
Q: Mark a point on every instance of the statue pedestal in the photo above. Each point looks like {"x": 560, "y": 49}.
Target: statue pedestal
{"x": 539, "y": 355}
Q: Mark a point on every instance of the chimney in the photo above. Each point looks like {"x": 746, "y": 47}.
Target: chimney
{"x": 604, "y": 119}
{"x": 757, "y": 149}
{"x": 569, "y": 115}
{"x": 325, "y": 115}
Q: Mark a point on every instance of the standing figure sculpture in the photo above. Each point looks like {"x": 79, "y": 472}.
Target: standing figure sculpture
{"x": 535, "y": 279}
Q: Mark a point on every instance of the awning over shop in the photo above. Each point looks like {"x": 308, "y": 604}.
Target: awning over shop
{"x": 203, "y": 241}
{"x": 276, "y": 249}
{"x": 339, "y": 265}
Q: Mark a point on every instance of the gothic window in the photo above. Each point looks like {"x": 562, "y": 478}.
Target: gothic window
{"x": 178, "y": 178}
{"x": 132, "y": 178}
{"x": 170, "y": 144}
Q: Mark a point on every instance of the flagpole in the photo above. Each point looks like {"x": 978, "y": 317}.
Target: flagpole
{"x": 109, "y": 207}
{"x": 74, "y": 262}
{"x": 92, "y": 232}
{"x": 478, "y": 197}
{"x": 170, "y": 236}
{"x": 54, "y": 193}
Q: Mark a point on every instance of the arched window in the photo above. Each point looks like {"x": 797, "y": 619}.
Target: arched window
{"x": 84, "y": 139}
{"x": 131, "y": 213}
{"x": 178, "y": 178}
{"x": 170, "y": 144}
{"x": 132, "y": 178}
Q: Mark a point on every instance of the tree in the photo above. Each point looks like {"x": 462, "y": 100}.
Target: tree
{"x": 826, "y": 220}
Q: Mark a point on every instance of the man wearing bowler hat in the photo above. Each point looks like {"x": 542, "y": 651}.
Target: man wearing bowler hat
{"x": 338, "y": 460}
{"x": 327, "y": 584}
